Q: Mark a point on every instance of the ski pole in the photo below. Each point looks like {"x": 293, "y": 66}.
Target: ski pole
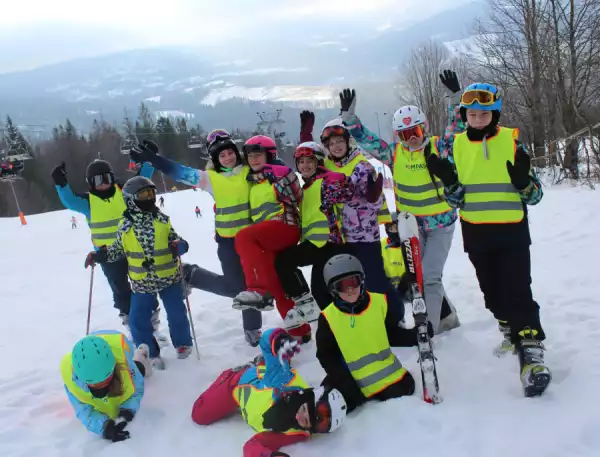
{"x": 189, "y": 309}
{"x": 89, "y": 314}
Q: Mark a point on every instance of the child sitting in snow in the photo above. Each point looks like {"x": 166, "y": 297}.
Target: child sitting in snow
{"x": 147, "y": 239}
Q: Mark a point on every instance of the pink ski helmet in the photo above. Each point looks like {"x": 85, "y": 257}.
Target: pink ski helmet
{"x": 261, "y": 143}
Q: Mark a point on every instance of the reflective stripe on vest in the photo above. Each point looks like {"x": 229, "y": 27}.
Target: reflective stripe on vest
{"x": 263, "y": 202}
{"x": 105, "y": 215}
{"x": 254, "y": 402}
{"x": 490, "y": 197}
{"x": 393, "y": 262}
{"x": 232, "y": 201}
{"x": 162, "y": 262}
{"x": 383, "y": 214}
{"x": 108, "y": 405}
{"x": 413, "y": 189}
{"x": 363, "y": 341}
{"x": 315, "y": 227}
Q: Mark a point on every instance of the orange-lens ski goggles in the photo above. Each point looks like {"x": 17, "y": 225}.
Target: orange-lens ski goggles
{"x": 483, "y": 97}
{"x": 406, "y": 134}
{"x": 146, "y": 194}
{"x": 332, "y": 131}
{"x": 323, "y": 419}
{"x": 304, "y": 152}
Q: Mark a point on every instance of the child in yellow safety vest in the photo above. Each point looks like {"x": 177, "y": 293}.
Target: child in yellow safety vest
{"x": 487, "y": 175}
{"x": 104, "y": 381}
{"x": 152, "y": 248}
{"x": 354, "y": 337}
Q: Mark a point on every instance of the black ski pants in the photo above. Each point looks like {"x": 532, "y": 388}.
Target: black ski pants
{"x": 505, "y": 279}
{"x": 302, "y": 255}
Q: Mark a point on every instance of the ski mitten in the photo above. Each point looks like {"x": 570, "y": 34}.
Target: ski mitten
{"x": 443, "y": 169}
{"x": 374, "y": 188}
{"x": 115, "y": 432}
{"x": 126, "y": 414}
{"x": 519, "y": 172}
{"x": 59, "y": 175}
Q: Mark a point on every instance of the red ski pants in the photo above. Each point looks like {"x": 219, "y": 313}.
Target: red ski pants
{"x": 257, "y": 246}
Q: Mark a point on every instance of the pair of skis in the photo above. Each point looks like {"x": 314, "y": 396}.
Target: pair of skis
{"x": 408, "y": 232}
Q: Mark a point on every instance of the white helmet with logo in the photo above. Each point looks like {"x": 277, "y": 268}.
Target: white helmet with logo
{"x": 408, "y": 116}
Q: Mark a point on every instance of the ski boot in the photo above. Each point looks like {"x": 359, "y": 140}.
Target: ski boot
{"x": 305, "y": 311}
{"x": 450, "y": 320}
{"x": 535, "y": 376}
{"x": 125, "y": 321}
{"x": 188, "y": 273}
{"x": 250, "y": 299}
{"x": 253, "y": 337}
{"x": 183, "y": 352}
{"x": 505, "y": 346}
{"x": 141, "y": 355}
{"x": 158, "y": 363}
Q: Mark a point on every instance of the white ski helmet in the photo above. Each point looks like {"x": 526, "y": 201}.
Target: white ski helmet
{"x": 337, "y": 122}
{"x": 334, "y": 402}
{"x": 408, "y": 116}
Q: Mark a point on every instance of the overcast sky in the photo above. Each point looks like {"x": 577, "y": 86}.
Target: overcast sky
{"x": 38, "y": 32}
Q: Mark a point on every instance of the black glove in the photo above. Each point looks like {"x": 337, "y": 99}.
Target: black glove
{"x": 144, "y": 152}
{"x": 59, "y": 175}
{"x": 519, "y": 172}
{"x": 115, "y": 432}
{"x": 307, "y": 120}
{"x": 443, "y": 169}
{"x": 450, "y": 80}
{"x": 374, "y": 188}
{"x": 95, "y": 257}
{"x": 348, "y": 100}
{"x": 126, "y": 414}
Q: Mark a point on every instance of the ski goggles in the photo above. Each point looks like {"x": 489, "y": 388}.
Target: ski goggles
{"x": 145, "y": 194}
{"x": 333, "y": 131}
{"x": 217, "y": 135}
{"x": 323, "y": 418}
{"x": 348, "y": 282}
{"x": 101, "y": 389}
{"x": 305, "y": 152}
{"x": 104, "y": 178}
{"x": 416, "y": 131}
{"x": 250, "y": 148}
{"x": 483, "y": 97}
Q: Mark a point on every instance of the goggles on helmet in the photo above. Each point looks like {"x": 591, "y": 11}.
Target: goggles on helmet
{"x": 304, "y": 152}
{"x": 145, "y": 194}
{"x": 217, "y": 135}
{"x": 483, "y": 97}
{"x": 416, "y": 131}
{"x": 104, "y": 178}
{"x": 333, "y": 131}
{"x": 250, "y": 148}
{"x": 349, "y": 282}
{"x": 323, "y": 417}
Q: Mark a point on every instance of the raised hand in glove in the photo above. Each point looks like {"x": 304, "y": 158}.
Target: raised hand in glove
{"x": 115, "y": 432}
{"x": 144, "y": 152}
{"x": 126, "y": 414}
{"x": 330, "y": 176}
{"x": 284, "y": 345}
{"x": 443, "y": 169}
{"x": 178, "y": 247}
{"x": 450, "y": 80}
{"x": 279, "y": 171}
{"x": 307, "y": 123}
{"x": 59, "y": 175}
{"x": 519, "y": 172}
{"x": 348, "y": 101}
{"x": 374, "y": 187}
{"x": 94, "y": 257}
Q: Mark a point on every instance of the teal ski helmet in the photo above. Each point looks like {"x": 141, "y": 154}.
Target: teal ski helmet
{"x": 93, "y": 360}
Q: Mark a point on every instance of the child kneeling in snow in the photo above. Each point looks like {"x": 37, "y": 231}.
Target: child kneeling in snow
{"x": 273, "y": 399}
{"x": 104, "y": 380}
{"x": 147, "y": 239}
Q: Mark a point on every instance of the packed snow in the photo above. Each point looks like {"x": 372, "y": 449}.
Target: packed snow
{"x": 484, "y": 414}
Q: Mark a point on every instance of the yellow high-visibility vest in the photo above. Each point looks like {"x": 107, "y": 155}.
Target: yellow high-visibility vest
{"x": 315, "y": 227}
{"x": 163, "y": 262}
{"x": 232, "y": 201}
{"x": 415, "y": 192}
{"x": 393, "y": 262}
{"x": 363, "y": 341}
{"x": 490, "y": 197}
{"x": 105, "y": 215}
{"x": 264, "y": 205}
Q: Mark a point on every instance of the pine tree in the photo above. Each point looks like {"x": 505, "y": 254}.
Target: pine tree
{"x": 145, "y": 125}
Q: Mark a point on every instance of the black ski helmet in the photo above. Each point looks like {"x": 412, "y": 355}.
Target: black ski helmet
{"x": 219, "y": 140}
{"x": 132, "y": 187}
{"x": 96, "y": 168}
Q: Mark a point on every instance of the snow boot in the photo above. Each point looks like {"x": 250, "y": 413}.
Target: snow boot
{"x": 450, "y": 321}
{"x": 535, "y": 376}
{"x": 141, "y": 355}
{"x": 183, "y": 352}
{"x": 158, "y": 363}
{"x": 188, "y": 272}
{"x": 505, "y": 346}
{"x": 305, "y": 311}
{"x": 253, "y": 337}
{"x": 250, "y": 299}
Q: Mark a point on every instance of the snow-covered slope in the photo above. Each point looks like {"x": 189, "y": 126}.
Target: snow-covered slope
{"x": 44, "y": 303}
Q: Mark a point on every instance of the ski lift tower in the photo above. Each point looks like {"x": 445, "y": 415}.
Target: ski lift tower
{"x": 269, "y": 122}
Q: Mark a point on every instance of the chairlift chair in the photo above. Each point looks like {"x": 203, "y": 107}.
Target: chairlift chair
{"x": 195, "y": 142}
{"x": 128, "y": 144}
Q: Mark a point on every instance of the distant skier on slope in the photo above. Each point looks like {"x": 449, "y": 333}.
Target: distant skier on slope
{"x": 225, "y": 179}
{"x": 162, "y": 201}
{"x": 73, "y": 222}
{"x": 198, "y": 212}
{"x": 273, "y": 398}
{"x": 104, "y": 380}
{"x": 151, "y": 247}
{"x": 103, "y": 208}
{"x": 487, "y": 175}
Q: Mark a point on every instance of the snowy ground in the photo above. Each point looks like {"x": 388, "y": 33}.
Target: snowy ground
{"x": 44, "y": 303}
